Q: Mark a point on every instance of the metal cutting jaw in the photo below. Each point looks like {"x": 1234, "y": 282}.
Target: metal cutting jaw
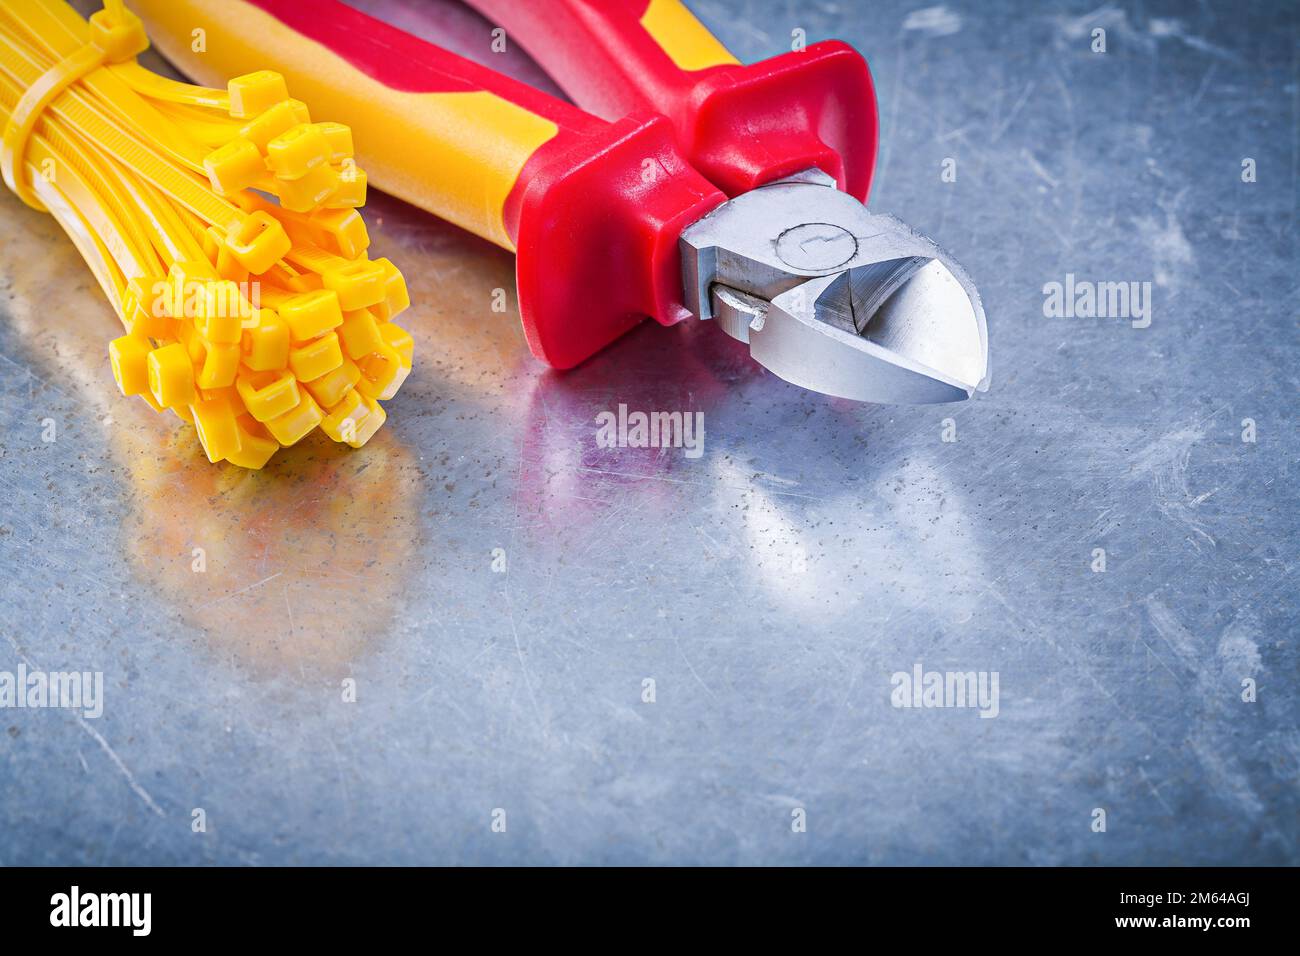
{"x": 837, "y": 299}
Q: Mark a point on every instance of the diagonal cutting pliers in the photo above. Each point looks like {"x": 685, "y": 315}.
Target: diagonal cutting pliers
{"x": 696, "y": 186}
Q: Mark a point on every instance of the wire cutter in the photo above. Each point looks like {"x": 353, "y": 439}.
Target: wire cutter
{"x": 696, "y": 186}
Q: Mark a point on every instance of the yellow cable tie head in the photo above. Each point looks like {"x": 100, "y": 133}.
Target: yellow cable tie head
{"x": 270, "y": 123}
{"x": 255, "y": 93}
{"x": 228, "y": 267}
{"x": 343, "y": 417}
{"x": 329, "y": 389}
{"x": 339, "y": 138}
{"x": 359, "y": 284}
{"x": 360, "y": 335}
{"x": 218, "y": 430}
{"x": 317, "y": 358}
{"x": 267, "y": 395}
{"x": 382, "y": 373}
{"x": 234, "y": 167}
{"x": 214, "y": 248}
{"x": 171, "y": 376}
{"x": 120, "y": 40}
{"x": 220, "y": 366}
{"x": 341, "y": 231}
{"x": 285, "y": 276}
{"x": 256, "y": 446}
{"x": 185, "y": 282}
{"x": 312, "y": 314}
{"x": 350, "y": 192}
{"x": 297, "y": 422}
{"x": 353, "y": 420}
{"x": 308, "y": 191}
{"x": 220, "y": 312}
{"x": 144, "y": 307}
{"x": 400, "y": 340}
{"x": 129, "y": 356}
{"x": 397, "y": 299}
{"x": 297, "y": 151}
{"x": 373, "y": 421}
{"x": 258, "y": 242}
{"x": 266, "y": 344}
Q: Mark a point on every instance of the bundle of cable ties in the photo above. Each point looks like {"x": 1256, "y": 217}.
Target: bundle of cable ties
{"x": 222, "y": 226}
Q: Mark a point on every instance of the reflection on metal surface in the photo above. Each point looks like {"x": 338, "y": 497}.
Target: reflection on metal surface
{"x": 566, "y": 480}
{"x": 304, "y": 563}
{"x": 793, "y": 545}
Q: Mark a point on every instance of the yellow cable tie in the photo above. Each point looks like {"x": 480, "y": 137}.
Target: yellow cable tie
{"x": 256, "y": 321}
{"x": 116, "y": 35}
{"x": 25, "y": 115}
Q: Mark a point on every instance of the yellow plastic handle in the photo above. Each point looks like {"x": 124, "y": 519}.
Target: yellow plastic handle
{"x": 432, "y": 128}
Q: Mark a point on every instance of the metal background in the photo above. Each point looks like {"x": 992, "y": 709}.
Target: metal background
{"x": 771, "y": 587}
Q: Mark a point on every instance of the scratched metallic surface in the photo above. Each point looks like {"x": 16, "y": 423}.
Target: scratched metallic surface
{"x": 771, "y": 587}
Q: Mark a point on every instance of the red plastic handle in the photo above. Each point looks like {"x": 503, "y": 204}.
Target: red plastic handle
{"x": 740, "y": 126}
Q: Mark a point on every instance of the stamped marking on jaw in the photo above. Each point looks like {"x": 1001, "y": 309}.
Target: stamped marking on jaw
{"x": 816, "y": 246}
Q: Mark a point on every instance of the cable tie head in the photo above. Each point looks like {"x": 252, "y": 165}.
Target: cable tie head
{"x": 120, "y": 40}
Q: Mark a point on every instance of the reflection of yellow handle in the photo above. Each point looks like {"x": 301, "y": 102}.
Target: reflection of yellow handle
{"x": 431, "y": 128}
